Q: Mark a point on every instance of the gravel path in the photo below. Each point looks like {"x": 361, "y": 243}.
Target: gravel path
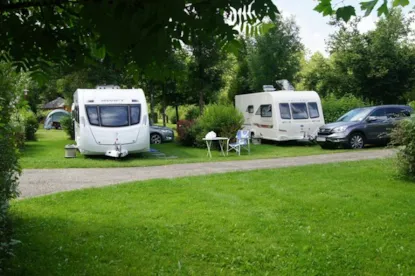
{"x": 35, "y": 182}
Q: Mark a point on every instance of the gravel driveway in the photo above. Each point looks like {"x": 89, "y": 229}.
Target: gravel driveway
{"x": 36, "y": 182}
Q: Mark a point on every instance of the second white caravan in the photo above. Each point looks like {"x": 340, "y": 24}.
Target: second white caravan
{"x": 111, "y": 121}
{"x": 281, "y": 115}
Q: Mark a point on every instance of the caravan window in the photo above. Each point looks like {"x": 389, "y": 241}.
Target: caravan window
{"x": 114, "y": 116}
{"x": 265, "y": 110}
{"x": 250, "y": 109}
{"x": 313, "y": 110}
{"x": 135, "y": 114}
{"x": 285, "y": 111}
{"x": 76, "y": 113}
{"x": 92, "y": 113}
{"x": 299, "y": 111}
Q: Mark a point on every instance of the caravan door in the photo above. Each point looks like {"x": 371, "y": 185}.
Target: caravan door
{"x": 264, "y": 122}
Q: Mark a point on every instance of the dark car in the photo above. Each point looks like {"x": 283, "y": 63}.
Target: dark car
{"x": 360, "y": 126}
{"x": 160, "y": 134}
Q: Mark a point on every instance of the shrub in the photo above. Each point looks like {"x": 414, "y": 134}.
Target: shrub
{"x": 334, "y": 108}
{"x": 31, "y": 125}
{"x": 9, "y": 166}
{"x": 185, "y": 136}
{"x": 68, "y": 126}
{"x": 18, "y": 130}
{"x": 404, "y": 135}
{"x": 193, "y": 112}
{"x": 224, "y": 120}
{"x": 412, "y": 104}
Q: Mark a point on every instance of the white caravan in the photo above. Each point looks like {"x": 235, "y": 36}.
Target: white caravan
{"x": 111, "y": 121}
{"x": 281, "y": 115}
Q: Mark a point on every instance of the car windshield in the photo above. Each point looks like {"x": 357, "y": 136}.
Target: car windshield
{"x": 355, "y": 115}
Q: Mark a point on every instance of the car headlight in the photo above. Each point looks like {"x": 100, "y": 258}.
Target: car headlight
{"x": 339, "y": 129}
{"x": 166, "y": 131}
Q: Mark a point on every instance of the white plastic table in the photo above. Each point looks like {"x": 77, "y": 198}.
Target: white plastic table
{"x": 222, "y": 142}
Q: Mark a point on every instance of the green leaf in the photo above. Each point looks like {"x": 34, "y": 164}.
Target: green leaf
{"x": 402, "y": 3}
{"x": 384, "y": 8}
{"x": 345, "y": 13}
{"x": 368, "y": 6}
{"x": 324, "y": 7}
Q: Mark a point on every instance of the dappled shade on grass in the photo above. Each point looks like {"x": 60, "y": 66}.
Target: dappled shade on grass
{"x": 337, "y": 219}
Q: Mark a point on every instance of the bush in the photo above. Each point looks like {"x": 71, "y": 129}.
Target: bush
{"x": 185, "y": 133}
{"x": 31, "y": 125}
{"x": 18, "y": 130}
{"x": 9, "y": 166}
{"x": 412, "y": 104}
{"x": 224, "y": 120}
{"x": 334, "y": 108}
{"x": 193, "y": 112}
{"x": 404, "y": 135}
{"x": 68, "y": 126}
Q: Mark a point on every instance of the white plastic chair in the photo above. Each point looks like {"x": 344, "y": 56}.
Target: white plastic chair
{"x": 242, "y": 142}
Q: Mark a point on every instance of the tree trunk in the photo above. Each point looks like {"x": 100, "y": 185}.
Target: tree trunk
{"x": 151, "y": 103}
{"x": 201, "y": 102}
{"x": 177, "y": 113}
{"x": 164, "y": 105}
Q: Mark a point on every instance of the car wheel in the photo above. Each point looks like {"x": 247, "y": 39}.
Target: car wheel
{"x": 356, "y": 141}
{"x": 155, "y": 138}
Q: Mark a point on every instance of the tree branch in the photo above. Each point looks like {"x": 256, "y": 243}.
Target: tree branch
{"x": 6, "y": 7}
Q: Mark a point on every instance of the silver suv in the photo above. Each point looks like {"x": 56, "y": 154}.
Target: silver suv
{"x": 360, "y": 126}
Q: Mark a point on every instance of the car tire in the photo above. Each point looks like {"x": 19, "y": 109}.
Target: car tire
{"x": 155, "y": 138}
{"x": 356, "y": 141}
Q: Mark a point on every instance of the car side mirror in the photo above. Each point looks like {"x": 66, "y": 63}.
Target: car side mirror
{"x": 371, "y": 119}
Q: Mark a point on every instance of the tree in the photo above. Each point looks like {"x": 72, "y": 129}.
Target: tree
{"x": 317, "y": 75}
{"x": 345, "y": 12}
{"x": 205, "y": 70}
{"x": 378, "y": 65}
{"x": 240, "y": 83}
{"x": 275, "y": 55}
{"x": 40, "y": 33}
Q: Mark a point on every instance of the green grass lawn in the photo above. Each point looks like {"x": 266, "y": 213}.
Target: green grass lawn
{"x": 337, "y": 219}
{"x": 48, "y": 152}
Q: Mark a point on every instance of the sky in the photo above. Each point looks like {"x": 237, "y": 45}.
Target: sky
{"x": 314, "y": 29}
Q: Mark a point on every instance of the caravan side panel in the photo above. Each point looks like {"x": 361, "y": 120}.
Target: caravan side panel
{"x": 281, "y": 115}
{"x": 258, "y": 116}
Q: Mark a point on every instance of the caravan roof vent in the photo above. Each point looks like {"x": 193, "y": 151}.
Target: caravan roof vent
{"x": 268, "y": 88}
{"x": 107, "y": 87}
{"x": 285, "y": 85}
